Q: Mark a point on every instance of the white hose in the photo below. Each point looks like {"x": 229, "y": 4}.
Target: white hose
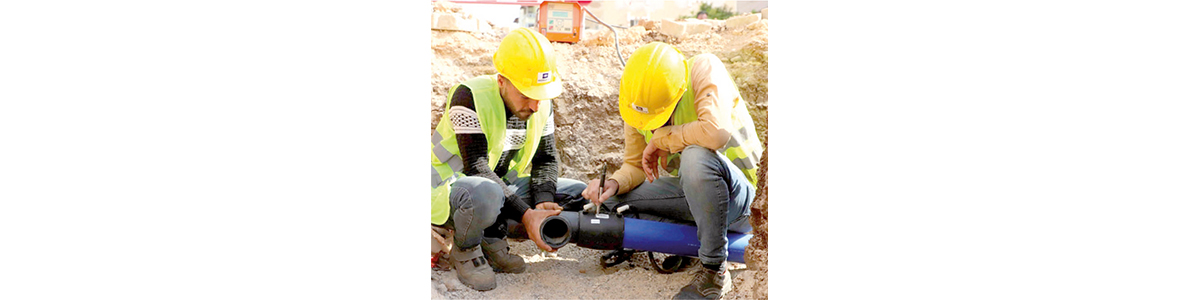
{"x": 616, "y": 39}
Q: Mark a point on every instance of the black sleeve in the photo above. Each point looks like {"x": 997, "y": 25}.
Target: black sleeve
{"x": 544, "y": 181}
{"x": 472, "y": 145}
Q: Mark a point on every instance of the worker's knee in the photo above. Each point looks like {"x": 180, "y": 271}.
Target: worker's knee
{"x": 697, "y": 160}
{"x": 702, "y": 178}
{"x": 569, "y": 186}
{"x": 480, "y": 196}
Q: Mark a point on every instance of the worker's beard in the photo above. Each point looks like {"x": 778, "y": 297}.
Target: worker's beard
{"x": 508, "y": 89}
{"x": 524, "y": 114}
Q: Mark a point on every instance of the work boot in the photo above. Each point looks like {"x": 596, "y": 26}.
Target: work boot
{"x": 472, "y": 268}
{"x": 708, "y": 284}
{"x": 502, "y": 261}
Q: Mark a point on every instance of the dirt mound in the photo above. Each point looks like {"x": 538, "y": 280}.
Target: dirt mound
{"x": 589, "y": 132}
{"x": 446, "y": 6}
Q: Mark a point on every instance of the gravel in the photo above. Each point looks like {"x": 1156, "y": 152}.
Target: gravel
{"x": 576, "y": 274}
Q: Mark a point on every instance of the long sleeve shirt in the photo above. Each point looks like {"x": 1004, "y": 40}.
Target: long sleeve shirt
{"x": 473, "y": 148}
{"x": 715, "y": 96}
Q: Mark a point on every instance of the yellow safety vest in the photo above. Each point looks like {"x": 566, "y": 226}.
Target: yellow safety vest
{"x": 743, "y": 148}
{"x": 448, "y": 164}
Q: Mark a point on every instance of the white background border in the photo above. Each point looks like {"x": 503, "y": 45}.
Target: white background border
{"x": 932, "y": 150}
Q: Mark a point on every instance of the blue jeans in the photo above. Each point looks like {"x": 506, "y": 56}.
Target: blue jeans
{"x": 475, "y": 204}
{"x": 710, "y": 193}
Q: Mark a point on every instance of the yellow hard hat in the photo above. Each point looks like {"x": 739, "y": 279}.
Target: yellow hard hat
{"x": 527, "y": 60}
{"x": 654, "y": 80}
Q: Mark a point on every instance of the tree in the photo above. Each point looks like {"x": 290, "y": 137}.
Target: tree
{"x": 717, "y": 13}
{"x": 714, "y": 13}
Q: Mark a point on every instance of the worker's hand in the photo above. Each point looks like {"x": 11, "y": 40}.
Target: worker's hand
{"x": 596, "y": 195}
{"x": 548, "y": 206}
{"x": 651, "y": 157}
{"x": 532, "y": 219}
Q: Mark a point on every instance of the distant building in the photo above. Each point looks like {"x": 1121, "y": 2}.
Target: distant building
{"x": 628, "y": 12}
{"x": 745, "y": 7}
{"x": 529, "y": 16}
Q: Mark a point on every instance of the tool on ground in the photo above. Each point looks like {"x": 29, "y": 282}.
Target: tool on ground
{"x": 668, "y": 265}
{"x": 438, "y": 240}
{"x": 440, "y": 247}
{"x": 671, "y": 263}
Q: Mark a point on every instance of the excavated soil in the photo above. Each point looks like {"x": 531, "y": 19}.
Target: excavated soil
{"x": 588, "y": 133}
{"x": 756, "y": 253}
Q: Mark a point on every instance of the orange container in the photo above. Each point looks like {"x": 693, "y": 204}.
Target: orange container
{"x": 560, "y": 21}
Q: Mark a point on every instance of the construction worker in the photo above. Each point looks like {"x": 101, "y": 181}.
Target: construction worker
{"x": 687, "y": 117}
{"x": 494, "y": 159}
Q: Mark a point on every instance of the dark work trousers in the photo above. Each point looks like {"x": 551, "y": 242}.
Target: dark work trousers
{"x": 475, "y": 204}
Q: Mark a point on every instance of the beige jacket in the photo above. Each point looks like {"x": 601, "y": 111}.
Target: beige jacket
{"x": 715, "y": 96}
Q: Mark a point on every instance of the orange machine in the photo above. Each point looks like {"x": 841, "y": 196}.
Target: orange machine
{"x": 560, "y": 21}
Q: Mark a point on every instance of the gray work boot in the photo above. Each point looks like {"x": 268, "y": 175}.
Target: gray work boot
{"x": 501, "y": 261}
{"x": 472, "y": 268}
{"x": 707, "y": 284}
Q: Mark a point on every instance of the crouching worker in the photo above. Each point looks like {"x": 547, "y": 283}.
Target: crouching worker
{"x": 686, "y": 116}
{"x": 494, "y": 159}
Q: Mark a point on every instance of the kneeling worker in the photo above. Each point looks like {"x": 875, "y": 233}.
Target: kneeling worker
{"x": 500, "y": 124}
{"x": 686, "y": 116}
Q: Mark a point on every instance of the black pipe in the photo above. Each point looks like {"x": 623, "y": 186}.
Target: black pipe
{"x": 599, "y": 231}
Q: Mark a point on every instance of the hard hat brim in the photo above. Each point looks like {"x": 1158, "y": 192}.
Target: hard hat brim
{"x": 646, "y": 121}
{"x": 547, "y": 91}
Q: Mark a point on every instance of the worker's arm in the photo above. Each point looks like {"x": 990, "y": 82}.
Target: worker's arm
{"x": 472, "y": 145}
{"x": 544, "y": 181}
{"x": 630, "y": 175}
{"x": 715, "y": 95}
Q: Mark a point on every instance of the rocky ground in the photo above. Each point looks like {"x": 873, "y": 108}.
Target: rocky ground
{"x": 588, "y": 133}
{"x": 576, "y": 273}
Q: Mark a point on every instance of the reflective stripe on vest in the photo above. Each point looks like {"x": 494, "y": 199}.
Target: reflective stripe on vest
{"x": 743, "y": 149}
{"x": 447, "y": 164}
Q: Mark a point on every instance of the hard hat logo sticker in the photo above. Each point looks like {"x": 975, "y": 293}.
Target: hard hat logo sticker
{"x": 640, "y": 109}
{"x": 543, "y": 77}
